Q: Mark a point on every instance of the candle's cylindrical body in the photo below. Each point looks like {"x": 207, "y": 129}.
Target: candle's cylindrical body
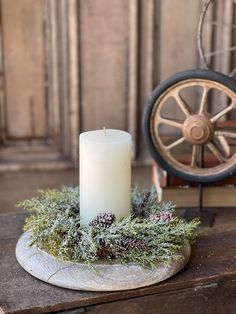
{"x": 105, "y": 173}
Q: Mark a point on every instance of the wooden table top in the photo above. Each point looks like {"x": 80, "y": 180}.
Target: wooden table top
{"x": 213, "y": 260}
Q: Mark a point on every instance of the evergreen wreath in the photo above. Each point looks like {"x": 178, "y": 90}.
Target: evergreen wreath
{"x": 151, "y": 234}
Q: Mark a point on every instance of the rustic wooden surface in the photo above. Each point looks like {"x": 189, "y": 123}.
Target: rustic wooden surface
{"x": 209, "y": 279}
{"x": 102, "y": 277}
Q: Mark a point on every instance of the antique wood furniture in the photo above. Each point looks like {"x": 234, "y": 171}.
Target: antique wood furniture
{"x": 125, "y": 48}
{"x": 206, "y": 285}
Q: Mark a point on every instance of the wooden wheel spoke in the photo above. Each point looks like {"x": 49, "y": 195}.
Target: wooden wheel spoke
{"x": 223, "y": 112}
{"x": 203, "y": 103}
{"x": 175, "y": 143}
{"x": 233, "y": 72}
{"x": 215, "y": 150}
{"x": 228, "y": 134}
{"x": 218, "y": 52}
{"x": 182, "y": 104}
{"x": 171, "y": 123}
{"x": 181, "y": 132}
{"x": 195, "y": 156}
{"x": 224, "y": 146}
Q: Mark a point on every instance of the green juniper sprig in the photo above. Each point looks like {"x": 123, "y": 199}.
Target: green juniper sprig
{"x": 150, "y": 235}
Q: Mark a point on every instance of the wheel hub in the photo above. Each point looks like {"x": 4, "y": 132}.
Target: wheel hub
{"x": 198, "y": 129}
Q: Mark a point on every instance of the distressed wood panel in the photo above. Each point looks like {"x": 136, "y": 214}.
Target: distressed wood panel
{"x": 2, "y": 108}
{"x": 133, "y": 73}
{"x": 24, "y": 65}
{"x": 222, "y": 34}
{"x": 104, "y": 63}
{"x": 178, "y": 30}
{"x": 39, "y": 95}
{"x": 146, "y": 70}
{"x": 65, "y": 73}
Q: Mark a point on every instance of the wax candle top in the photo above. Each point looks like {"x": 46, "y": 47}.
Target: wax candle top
{"x": 106, "y": 136}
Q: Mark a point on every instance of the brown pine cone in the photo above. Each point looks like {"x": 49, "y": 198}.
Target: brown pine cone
{"x": 161, "y": 216}
{"x": 104, "y": 220}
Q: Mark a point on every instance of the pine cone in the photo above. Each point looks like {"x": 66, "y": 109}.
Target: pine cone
{"x": 104, "y": 220}
{"x": 130, "y": 243}
{"x": 161, "y": 216}
{"x": 105, "y": 252}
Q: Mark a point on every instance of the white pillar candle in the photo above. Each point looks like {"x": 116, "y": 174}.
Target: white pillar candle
{"x": 105, "y": 173}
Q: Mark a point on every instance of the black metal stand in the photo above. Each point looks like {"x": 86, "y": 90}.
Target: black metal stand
{"x": 206, "y": 217}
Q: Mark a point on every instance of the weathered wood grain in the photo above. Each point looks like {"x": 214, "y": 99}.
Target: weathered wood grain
{"x": 101, "y": 277}
{"x": 146, "y": 68}
{"x": 84, "y": 64}
{"x": 103, "y": 66}
{"x": 132, "y": 101}
{"x": 178, "y": 30}
{"x": 39, "y": 101}
{"x": 208, "y": 299}
{"x": 212, "y": 265}
{"x": 24, "y": 63}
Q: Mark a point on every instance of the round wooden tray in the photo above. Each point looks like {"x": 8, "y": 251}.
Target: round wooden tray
{"x": 101, "y": 277}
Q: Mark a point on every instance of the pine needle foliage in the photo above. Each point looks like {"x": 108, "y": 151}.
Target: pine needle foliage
{"x": 55, "y": 226}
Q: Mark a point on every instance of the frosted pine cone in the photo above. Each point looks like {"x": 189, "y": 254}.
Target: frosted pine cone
{"x": 161, "y": 216}
{"x": 130, "y": 243}
{"x": 104, "y": 220}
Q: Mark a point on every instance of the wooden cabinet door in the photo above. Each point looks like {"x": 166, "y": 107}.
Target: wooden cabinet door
{"x": 68, "y": 66}
{"x": 38, "y": 84}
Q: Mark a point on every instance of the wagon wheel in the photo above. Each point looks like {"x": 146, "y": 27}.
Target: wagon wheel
{"x": 218, "y": 58}
{"x": 176, "y": 126}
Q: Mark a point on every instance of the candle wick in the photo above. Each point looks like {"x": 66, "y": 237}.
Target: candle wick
{"x": 105, "y": 131}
